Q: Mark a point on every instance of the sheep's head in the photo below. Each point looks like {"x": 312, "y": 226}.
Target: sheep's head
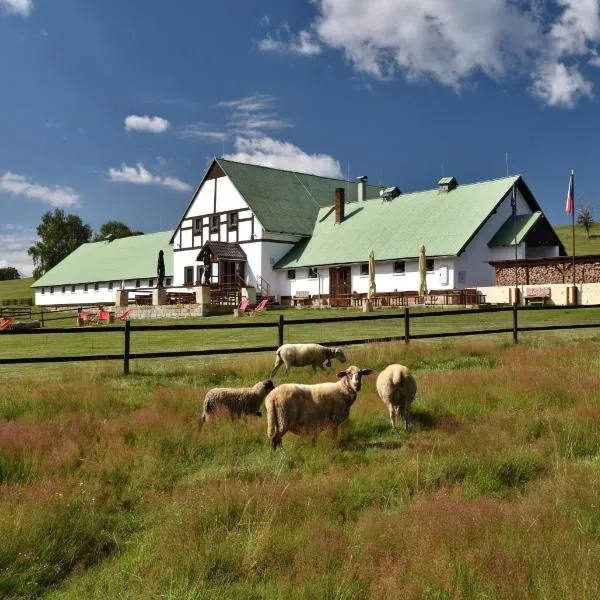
{"x": 353, "y": 375}
{"x": 268, "y": 385}
{"x": 339, "y": 354}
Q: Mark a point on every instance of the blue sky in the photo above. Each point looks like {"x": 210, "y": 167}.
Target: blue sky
{"x": 112, "y": 109}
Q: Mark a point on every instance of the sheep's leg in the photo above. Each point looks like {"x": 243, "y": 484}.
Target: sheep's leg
{"x": 407, "y": 417}
{"x": 278, "y": 363}
{"x": 320, "y": 366}
{"x": 275, "y": 441}
{"x": 392, "y": 411}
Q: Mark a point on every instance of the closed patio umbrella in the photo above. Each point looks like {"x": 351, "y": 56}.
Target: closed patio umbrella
{"x": 422, "y": 272}
{"x": 372, "y": 289}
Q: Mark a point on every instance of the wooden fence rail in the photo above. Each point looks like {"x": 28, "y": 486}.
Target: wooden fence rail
{"x": 127, "y": 329}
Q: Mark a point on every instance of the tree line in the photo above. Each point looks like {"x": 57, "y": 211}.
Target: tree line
{"x": 59, "y": 234}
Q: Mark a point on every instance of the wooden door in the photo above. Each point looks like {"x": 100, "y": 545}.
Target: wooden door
{"x": 340, "y": 286}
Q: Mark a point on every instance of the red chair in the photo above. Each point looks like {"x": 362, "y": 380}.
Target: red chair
{"x": 261, "y": 306}
{"x": 102, "y": 315}
{"x": 243, "y": 306}
{"x": 6, "y": 323}
{"x": 125, "y": 314}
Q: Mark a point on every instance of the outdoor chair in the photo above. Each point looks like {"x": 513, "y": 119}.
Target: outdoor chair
{"x": 242, "y": 307}
{"x": 260, "y": 307}
{"x": 102, "y": 315}
{"x": 6, "y": 323}
{"x": 123, "y": 316}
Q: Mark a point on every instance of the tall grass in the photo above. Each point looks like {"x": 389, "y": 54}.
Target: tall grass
{"x": 108, "y": 490}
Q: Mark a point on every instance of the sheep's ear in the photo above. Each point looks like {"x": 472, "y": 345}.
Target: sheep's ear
{"x": 366, "y": 371}
{"x": 341, "y": 374}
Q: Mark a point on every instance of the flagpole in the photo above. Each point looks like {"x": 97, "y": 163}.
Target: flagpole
{"x": 513, "y": 208}
{"x": 573, "y": 230}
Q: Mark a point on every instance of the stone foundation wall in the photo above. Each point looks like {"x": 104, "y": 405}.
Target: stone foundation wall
{"x": 176, "y": 311}
{"x": 587, "y": 293}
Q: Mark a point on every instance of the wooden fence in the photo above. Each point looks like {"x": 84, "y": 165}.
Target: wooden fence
{"x": 127, "y": 329}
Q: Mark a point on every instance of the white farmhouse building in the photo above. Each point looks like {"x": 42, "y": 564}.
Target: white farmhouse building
{"x": 290, "y": 234}
{"x": 92, "y": 274}
{"x": 287, "y": 232}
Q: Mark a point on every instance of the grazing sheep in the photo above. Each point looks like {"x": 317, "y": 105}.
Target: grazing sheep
{"x": 302, "y": 355}
{"x": 397, "y": 389}
{"x": 235, "y": 401}
{"x": 306, "y": 409}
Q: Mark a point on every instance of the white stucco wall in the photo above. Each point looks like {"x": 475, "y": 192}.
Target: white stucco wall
{"x": 474, "y": 261}
{"x": 52, "y": 296}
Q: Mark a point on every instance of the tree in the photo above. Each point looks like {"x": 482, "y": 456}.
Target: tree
{"x": 115, "y": 229}
{"x": 585, "y": 218}
{"x": 7, "y": 273}
{"x": 59, "y": 235}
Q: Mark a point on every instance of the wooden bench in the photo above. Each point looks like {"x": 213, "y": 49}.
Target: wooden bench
{"x": 537, "y": 295}
{"x": 302, "y": 298}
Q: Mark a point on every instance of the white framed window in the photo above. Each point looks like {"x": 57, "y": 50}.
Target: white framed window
{"x": 214, "y": 223}
{"x": 72, "y": 289}
{"x": 96, "y": 286}
{"x": 430, "y": 265}
{"x": 313, "y": 273}
{"x": 364, "y": 268}
{"x": 291, "y": 274}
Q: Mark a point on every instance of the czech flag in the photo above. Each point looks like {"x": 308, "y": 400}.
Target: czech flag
{"x": 570, "y": 195}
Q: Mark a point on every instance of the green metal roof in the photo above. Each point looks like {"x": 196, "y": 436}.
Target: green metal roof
{"x": 132, "y": 257}
{"x": 522, "y": 224}
{"x": 395, "y": 229}
{"x": 287, "y": 201}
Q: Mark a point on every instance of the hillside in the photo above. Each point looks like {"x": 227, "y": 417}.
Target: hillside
{"x": 16, "y": 288}
{"x": 582, "y": 244}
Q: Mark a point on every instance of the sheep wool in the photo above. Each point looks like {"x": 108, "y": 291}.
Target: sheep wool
{"x": 235, "y": 401}
{"x": 307, "y": 409}
{"x": 397, "y": 389}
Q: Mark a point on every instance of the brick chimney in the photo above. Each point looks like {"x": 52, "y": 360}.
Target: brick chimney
{"x": 339, "y": 205}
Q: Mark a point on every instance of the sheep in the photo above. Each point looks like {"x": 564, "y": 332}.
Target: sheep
{"x": 306, "y": 409}
{"x": 235, "y": 401}
{"x": 302, "y": 355}
{"x": 397, "y": 389}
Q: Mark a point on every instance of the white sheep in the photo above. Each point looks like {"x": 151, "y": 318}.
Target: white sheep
{"x": 307, "y": 409}
{"x": 235, "y": 401}
{"x": 302, "y": 355}
{"x": 397, "y": 389}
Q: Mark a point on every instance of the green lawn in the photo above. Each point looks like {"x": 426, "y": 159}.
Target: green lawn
{"x": 107, "y": 490}
{"x": 583, "y": 245}
{"x": 16, "y": 288}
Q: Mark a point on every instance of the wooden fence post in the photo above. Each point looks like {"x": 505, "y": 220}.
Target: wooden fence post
{"x": 406, "y": 325}
{"x": 127, "y": 344}
{"x": 515, "y": 325}
{"x": 280, "y": 330}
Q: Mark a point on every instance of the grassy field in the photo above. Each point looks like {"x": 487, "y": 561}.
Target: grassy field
{"x": 583, "y": 245}
{"x": 108, "y": 491}
{"x": 16, "y": 288}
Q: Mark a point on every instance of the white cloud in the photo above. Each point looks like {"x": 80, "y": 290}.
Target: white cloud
{"x": 146, "y": 123}
{"x": 14, "y": 242}
{"x": 22, "y": 8}
{"x": 304, "y": 44}
{"x": 55, "y": 195}
{"x": 450, "y": 41}
{"x": 203, "y": 131}
{"x": 141, "y": 176}
{"x": 268, "y": 152}
{"x": 558, "y": 85}
{"x": 250, "y": 116}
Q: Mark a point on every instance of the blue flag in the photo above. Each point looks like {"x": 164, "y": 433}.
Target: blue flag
{"x": 513, "y": 203}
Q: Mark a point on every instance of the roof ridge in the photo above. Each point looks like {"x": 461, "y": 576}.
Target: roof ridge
{"x": 460, "y": 185}
{"x": 239, "y": 162}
